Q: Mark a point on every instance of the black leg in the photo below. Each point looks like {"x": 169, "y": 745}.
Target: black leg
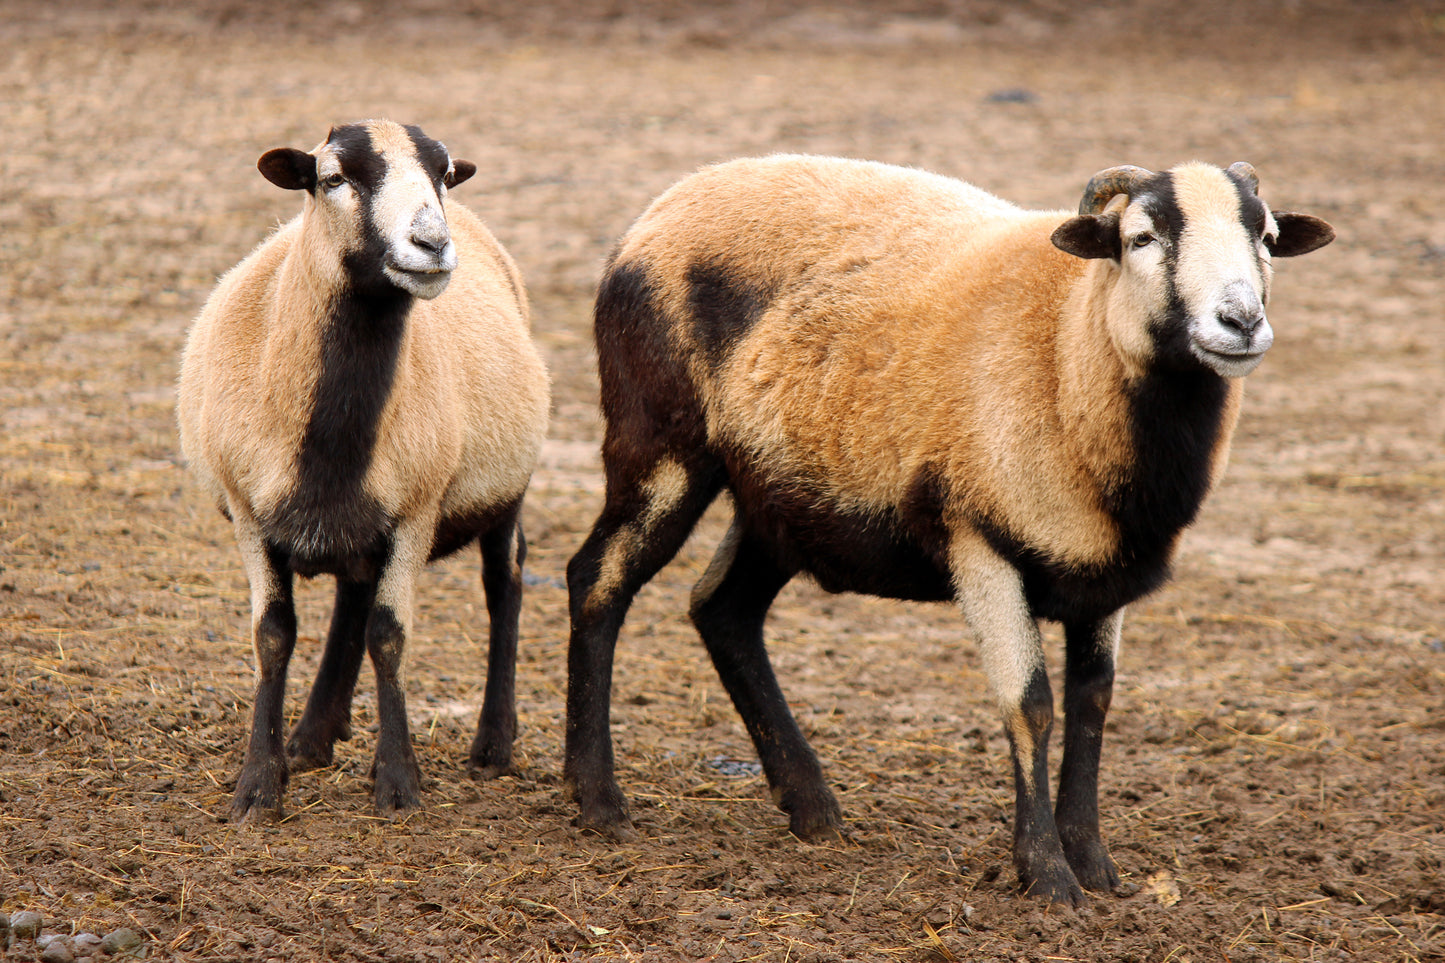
{"x": 504, "y": 549}
{"x": 642, "y": 525}
{"x": 1088, "y": 689}
{"x": 327, "y": 718}
{"x": 1043, "y": 871}
{"x": 397, "y": 785}
{"x": 262, "y": 780}
{"x": 729, "y": 606}
{"x": 394, "y": 769}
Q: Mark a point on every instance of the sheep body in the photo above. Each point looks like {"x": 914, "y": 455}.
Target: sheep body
{"x": 361, "y": 395}
{"x": 460, "y": 427}
{"x": 917, "y": 390}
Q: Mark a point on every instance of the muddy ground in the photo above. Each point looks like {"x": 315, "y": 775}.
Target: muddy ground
{"x": 1274, "y": 777}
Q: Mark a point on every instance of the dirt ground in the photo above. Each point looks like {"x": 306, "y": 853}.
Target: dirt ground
{"x": 1274, "y": 773}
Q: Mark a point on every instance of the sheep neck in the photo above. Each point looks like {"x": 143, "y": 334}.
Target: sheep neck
{"x": 1153, "y": 440}
{"x": 351, "y": 357}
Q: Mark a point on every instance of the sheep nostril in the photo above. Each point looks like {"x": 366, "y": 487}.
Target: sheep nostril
{"x": 1245, "y": 322}
{"x": 434, "y": 244}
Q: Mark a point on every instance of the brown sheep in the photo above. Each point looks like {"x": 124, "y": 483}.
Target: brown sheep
{"x": 361, "y": 395}
{"x": 916, "y": 390}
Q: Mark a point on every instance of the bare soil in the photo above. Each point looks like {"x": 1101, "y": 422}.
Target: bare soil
{"x": 1274, "y": 774}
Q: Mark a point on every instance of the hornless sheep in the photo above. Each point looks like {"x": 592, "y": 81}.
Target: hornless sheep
{"x": 916, "y": 390}
{"x": 350, "y": 418}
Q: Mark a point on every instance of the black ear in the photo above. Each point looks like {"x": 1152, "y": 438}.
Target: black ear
{"x": 1299, "y": 234}
{"x": 1089, "y": 236}
{"x": 289, "y": 168}
{"x": 461, "y": 170}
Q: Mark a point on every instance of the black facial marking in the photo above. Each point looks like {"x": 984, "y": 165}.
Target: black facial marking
{"x": 1169, "y": 327}
{"x": 365, "y": 169}
{"x": 723, "y": 305}
{"x": 1253, "y": 213}
{"x": 432, "y": 154}
{"x": 360, "y": 162}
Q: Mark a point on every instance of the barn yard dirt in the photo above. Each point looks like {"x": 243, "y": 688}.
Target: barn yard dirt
{"x": 1274, "y": 771}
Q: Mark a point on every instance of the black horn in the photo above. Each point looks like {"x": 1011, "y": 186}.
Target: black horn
{"x": 1104, "y": 185}
{"x": 1245, "y": 172}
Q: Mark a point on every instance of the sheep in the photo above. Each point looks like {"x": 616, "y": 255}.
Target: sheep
{"x": 361, "y": 395}
{"x": 916, "y": 390}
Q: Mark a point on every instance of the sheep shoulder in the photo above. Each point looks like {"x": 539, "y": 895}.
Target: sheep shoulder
{"x": 229, "y": 382}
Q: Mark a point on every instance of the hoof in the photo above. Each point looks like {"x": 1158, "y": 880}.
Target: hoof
{"x": 305, "y": 758}
{"x": 397, "y": 790}
{"x": 486, "y": 773}
{"x": 488, "y": 762}
{"x": 259, "y": 790}
{"x": 1092, "y": 866}
{"x": 616, "y": 831}
{"x": 1058, "y": 891}
{"x": 814, "y": 815}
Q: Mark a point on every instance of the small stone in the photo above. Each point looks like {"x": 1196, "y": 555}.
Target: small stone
{"x": 56, "y": 951}
{"x": 26, "y": 924}
{"x": 122, "y": 940}
{"x": 86, "y": 944}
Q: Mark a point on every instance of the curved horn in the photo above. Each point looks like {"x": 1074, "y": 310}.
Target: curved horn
{"x": 1104, "y": 185}
{"x": 1245, "y": 173}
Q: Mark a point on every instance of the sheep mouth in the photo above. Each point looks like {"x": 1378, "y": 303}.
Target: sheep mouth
{"x": 1228, "y": 364}
{"x": 425, "y": 283}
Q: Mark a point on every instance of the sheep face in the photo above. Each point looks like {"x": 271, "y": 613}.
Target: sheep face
{"x": 376, "y": 191}
{"x": 1191, "y": 251}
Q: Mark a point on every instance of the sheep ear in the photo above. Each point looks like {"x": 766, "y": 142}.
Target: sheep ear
{"x": 1089, "y": 236}
{"x": 461, "y": 170}
{"x": 1298, "y": 234}
{"x": 288, "y": 168}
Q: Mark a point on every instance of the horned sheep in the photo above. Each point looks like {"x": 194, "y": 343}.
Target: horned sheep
{"x": 916, "y": 390}
{"x": 361, "y": 395}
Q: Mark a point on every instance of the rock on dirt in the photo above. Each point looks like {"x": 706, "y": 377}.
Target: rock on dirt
{"x": 26, "y": 924}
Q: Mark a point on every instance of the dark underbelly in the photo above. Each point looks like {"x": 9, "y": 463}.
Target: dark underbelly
{"x": 890, "y": 557}
{"x": 354, "y": 541}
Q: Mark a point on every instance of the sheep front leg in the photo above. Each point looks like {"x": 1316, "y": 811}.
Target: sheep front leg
{"x": 504, "y": 550}
{"x": 396, "y": 776}
{"x": 262, "y": 780}
{"x": 992, "y": 597}
{"x": 1090, "y": 651}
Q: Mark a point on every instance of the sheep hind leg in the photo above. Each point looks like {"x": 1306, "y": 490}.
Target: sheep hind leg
{"x": 1090, "y": 651}
{"x": 504, "y": 549}
{"x": 641, "y": 527}
{"x": 729, "y": 606}
{"x": 327, "y": 717}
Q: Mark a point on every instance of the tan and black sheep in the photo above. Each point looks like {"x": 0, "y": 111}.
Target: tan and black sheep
{"x": 916, "y": 390}
{"x": 361, "y": 395}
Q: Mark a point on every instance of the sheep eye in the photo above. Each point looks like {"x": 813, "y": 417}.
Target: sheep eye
{"x": 1141, "y": 240}
{"x": 332, "y": 181}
